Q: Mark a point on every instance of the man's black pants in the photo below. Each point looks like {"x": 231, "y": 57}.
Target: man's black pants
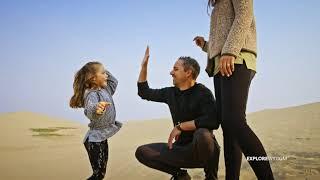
{"x": 202, "y": 152}
{"x": 231, "y": 96}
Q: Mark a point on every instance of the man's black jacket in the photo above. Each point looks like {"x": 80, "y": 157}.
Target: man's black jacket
{"x": 196, "y": 103}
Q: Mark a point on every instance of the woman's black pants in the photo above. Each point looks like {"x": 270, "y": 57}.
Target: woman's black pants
{"x": 231, "y": 96}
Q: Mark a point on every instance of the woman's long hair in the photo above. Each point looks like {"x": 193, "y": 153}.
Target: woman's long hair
{"x": 211, "y": 4}
{"x": 83, "y": 79}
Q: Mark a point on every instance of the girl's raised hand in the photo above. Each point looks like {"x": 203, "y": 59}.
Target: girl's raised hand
{"x": 101, "y": 107}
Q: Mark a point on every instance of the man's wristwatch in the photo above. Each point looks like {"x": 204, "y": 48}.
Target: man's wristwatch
{"x": 178, "y": 126}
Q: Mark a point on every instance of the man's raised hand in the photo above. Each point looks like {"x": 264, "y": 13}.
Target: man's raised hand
{"x": 146, "y": 58}
{"x": 144, "y": 67}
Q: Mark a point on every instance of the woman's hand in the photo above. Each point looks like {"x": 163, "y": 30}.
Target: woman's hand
{"x": 226, "y": 65}
{"x": 199, "y": 40}
{"x": 101, "y": 107}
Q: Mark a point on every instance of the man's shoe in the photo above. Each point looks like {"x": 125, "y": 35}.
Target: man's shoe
{"x": 181, "y": 175}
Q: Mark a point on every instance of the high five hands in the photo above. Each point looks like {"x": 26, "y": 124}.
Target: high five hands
{"x": 226, "y": 63}
{"x": 146, "y": 58}
{"x": 144, "y": 66}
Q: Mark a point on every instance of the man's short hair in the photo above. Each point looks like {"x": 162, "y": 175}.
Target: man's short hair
{"x": 191, "y": 64}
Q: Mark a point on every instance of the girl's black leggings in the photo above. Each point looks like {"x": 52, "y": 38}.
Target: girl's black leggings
{"x": 98, "y": 156}
{"x": 231, "y": 96}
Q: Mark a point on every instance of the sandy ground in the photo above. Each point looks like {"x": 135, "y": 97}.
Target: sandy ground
{"x": 35, "y": 146}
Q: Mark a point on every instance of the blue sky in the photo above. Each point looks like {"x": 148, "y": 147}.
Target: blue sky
{"x": 43, "y": 43}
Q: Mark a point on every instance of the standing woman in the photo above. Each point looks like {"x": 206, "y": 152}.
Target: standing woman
{"x": 232, "y": 55}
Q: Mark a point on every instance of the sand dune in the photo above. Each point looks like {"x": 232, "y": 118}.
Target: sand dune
{"x": 35, "y": 146}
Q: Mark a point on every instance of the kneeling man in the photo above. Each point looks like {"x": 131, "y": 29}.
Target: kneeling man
{"x": 193, "y": 112}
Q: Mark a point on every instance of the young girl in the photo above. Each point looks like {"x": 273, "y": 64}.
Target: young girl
{"x": 93, "y": 89}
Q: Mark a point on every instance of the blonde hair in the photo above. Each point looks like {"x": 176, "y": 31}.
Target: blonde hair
{"x": 83, "y": 80}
